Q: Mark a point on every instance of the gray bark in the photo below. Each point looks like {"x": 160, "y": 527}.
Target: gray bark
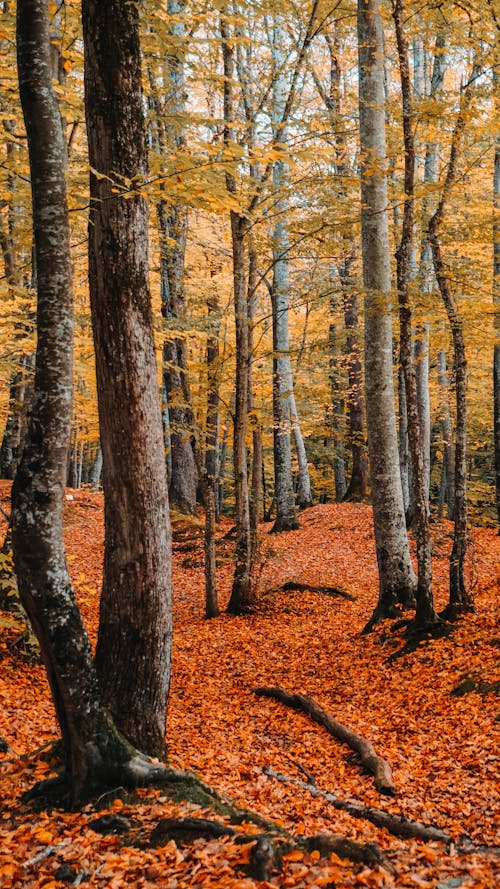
{"x": 396, "y": 576}
{"x": 286, "y": 519}
{"x": 96, "y": 470}
{"x": 134, "y": 643}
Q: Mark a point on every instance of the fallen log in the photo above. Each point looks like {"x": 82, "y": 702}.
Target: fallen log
{"x": 375, "y": 764}
{"x": 398, "y": 825}
{"x": 332, "y": 591}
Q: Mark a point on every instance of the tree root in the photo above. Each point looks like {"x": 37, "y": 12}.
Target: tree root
{"x": 268, "y": 848}
{"x": 373, "y": 763}
{"x": 399, "y": 826}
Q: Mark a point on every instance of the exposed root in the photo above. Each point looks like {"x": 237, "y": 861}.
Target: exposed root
{"x": 399, "y": 826}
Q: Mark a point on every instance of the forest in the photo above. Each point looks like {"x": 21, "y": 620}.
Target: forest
{"x": 250, "y": 452}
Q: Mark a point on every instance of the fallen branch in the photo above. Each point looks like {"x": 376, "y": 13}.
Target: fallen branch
{"x": 332, "y": 591}
{"x": 398, "y": 825}
{"x": 378, "y": 767}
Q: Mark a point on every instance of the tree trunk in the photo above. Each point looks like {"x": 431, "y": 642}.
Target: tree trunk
{"x": 496, "y": 304}
{"x": 182, "y": 465}
{"x": 460, "y": 599}
{"x": 96, "y": 470}
{"x": 447, "y": 432}
{"x": 425, "y": 613}
{"x": 242, "y": 593}
{"x": 396, "y": 577}
{"x": 95, "y": 752}
{"x": 286, "y": 519}
{"x": 210, "y": 467}
{"x": 356, "y": 490}
{"x": 133, "y": 649}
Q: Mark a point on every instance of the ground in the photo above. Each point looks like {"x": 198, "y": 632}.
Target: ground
{"x": 433, "y": 713}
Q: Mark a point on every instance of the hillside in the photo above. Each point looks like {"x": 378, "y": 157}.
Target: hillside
{"x": 432, "y": 713}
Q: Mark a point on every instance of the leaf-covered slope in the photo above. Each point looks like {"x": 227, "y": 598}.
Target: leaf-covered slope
{"x": 441, "y": 746}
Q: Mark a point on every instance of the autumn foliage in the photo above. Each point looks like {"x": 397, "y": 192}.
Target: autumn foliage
{"x": 431, "y": 712}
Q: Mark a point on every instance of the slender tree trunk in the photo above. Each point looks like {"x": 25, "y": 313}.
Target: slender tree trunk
{"x": 256, "y": 473}
{"x": 133, "y": 649}
{"x": 286, "y": 519}
{"x": 336, "y": 415}
{"x": 447, "y": 433}
{"x": 404, "y": 452}
{"x": 96, "y": 470}
{"x": 496, "y": 303}
{"x": 460, "y": 598}
{"x": 210, "y": 467}
{"x": 242, "y": 593}
{"x": 425, "y": 613}
{"x": 396, "y": 577}
{"x": 358, "y": 480}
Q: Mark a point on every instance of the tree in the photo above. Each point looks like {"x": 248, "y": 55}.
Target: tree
{"x": 95, "y": 753}
{"x": 425, "y": 613}
{"x": 133, "y": 648}
{"x": 396, "y": 577}
{"x": 496, "y": 304}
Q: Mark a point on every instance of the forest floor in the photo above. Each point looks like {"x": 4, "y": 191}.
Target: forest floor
{"x": 432, "y": 713}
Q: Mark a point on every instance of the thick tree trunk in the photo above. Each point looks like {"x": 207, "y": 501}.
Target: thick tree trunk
{"x": 95, "y": 752}
{"x": 396, "y": 577}
{"x": 133, "y": 649}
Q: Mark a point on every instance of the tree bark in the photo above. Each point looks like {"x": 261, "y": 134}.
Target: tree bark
{"x": 496, "y": 304}
{"x": 396, "y": 577}
{"x": 242, "y": 593}
{"x": 95, "y": 752}
{"x": 460, "y": 598}
{"x": 286, "y": 519}
{"x": 133, "y": 649}
{"x": 425, "y": 613}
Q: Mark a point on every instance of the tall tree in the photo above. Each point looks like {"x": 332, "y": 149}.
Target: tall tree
{"x": 96, "y": 754}
{"x": 280, "y": 296}
{"x": 396, "y": 577}
{"x": 425, "y": 613}
{"x": 496, "y": 304}
{"x": 242, "y": 593}
{"x": 133, "y": 649}
{"x": 460, "y": 597}
{"x": 173, "y": 220}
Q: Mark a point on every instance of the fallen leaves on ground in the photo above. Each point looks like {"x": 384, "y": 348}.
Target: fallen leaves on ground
{"x": 443, "y": 747}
